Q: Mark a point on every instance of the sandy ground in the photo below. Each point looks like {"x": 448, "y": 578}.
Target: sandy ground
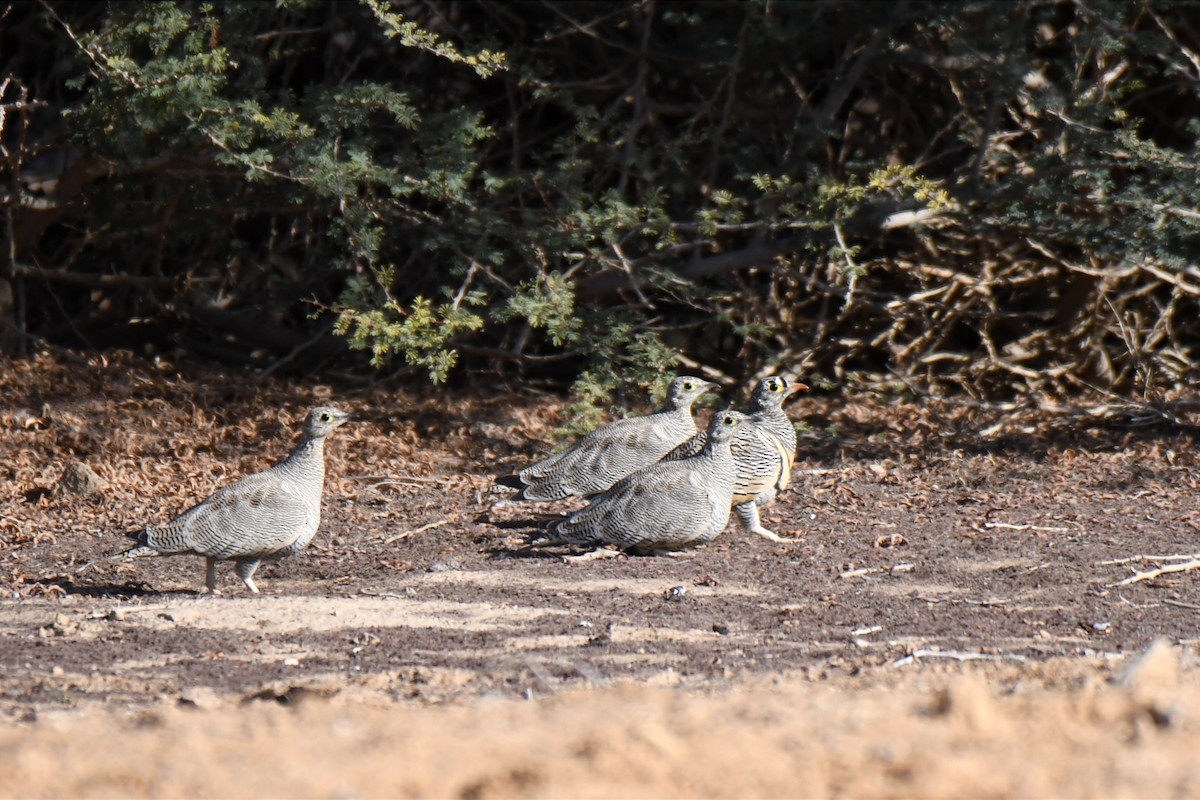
{"x": 1080, "y": 727}
{"x": 987, "y": 605}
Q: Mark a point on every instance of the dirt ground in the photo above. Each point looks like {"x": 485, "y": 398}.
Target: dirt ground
{"x": 949, "y": 619}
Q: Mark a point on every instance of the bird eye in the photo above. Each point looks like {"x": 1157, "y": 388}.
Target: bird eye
{"x": 325, "y": 416}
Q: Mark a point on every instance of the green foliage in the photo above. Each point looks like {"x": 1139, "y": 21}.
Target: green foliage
{"x": 548, "y": 303}
{"x": 421, "y": 333}
{"x": 360, "y": 164}
{"x": 976, "y": 197}
{"x": 899, "y": 182}
{"x": 639, "y": 387}
{"x": 590, "y": 395}
{"x": 485, "y": 62}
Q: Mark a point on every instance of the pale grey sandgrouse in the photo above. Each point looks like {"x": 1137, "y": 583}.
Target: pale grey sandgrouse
{"x": 665, "y": 506}
{"x": 764, "y": 450}
{"x": 262, "y": 517}
{"x": 609, "y": 453}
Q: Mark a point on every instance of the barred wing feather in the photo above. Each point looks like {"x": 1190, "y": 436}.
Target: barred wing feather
{"x": 673, "y": 503}
{"x": 258, "y": 515}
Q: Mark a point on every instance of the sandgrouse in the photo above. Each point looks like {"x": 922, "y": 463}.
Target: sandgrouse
{"x": 262, "y": 517}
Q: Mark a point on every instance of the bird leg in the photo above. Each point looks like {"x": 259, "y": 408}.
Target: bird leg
{"x": 245, "y": 570}
{"x": 748, "y": 514}
{"x": 210, "y": 575}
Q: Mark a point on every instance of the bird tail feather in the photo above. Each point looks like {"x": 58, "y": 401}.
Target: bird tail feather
{"x": 141, "y": 545}
{"x": 139, "y": 541}
{"x": 510, "y": 481}
{"x": 549, "y": 537}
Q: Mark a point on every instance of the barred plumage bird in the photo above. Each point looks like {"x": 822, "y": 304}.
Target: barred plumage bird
{"x": 764, "y": 450}
{"x": 609, "y": 453}
{"x": 262, "y": 517}
{"x": 667, "y": 505}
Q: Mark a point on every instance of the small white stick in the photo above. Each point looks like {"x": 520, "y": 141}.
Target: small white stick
{"x": 858, "y": 573}
{"x": 1154, "y": 573}
{"x": 595, "y": 555}
{"x": 956, "y": 655}
{"x": 414, "y": 531}
{"x": 1024, "y": 527}
{"x": 1181, "y": 604}
{"x": 1144, "y": 557}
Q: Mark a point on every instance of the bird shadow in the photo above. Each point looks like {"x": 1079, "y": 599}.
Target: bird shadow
{"x": 524, "y": 553}
{"x": 533, "y": 525}
{"x": 518, "y": 524}
{"x": 109, "y": 590}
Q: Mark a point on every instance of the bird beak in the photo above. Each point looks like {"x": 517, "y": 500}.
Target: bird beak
{"x": 798, "y": 387}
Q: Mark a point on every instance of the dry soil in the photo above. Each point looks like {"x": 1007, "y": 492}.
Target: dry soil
{"x": 972, "y": 602}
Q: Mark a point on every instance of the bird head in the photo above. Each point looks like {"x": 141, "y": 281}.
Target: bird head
{"x": 322, "y": 420}
{"x": 685, "y": 389}
{"x": 724, "y": 424}
{"x": 771, "y": 392}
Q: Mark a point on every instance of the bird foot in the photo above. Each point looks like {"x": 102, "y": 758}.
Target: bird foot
{"x": 766, "y": 534}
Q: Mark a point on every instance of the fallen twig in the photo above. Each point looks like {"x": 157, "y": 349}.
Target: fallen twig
{"x": 1025, "y": 527}
{"x": 956, "y": 655}
{"x": 1154, "y": 573}
{"x": 1185, "y": 557}
{"x": 415, "y": 531}
{"x": 1122, "y": 598}
{"x": 593, "y": 555}
{"x": 390, "y": 478}
{"x": 412, "y": 484}
{"x": 858, "y": 573}
{"x": 1182, "y": 604}
{"x": 371, "y": 593}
